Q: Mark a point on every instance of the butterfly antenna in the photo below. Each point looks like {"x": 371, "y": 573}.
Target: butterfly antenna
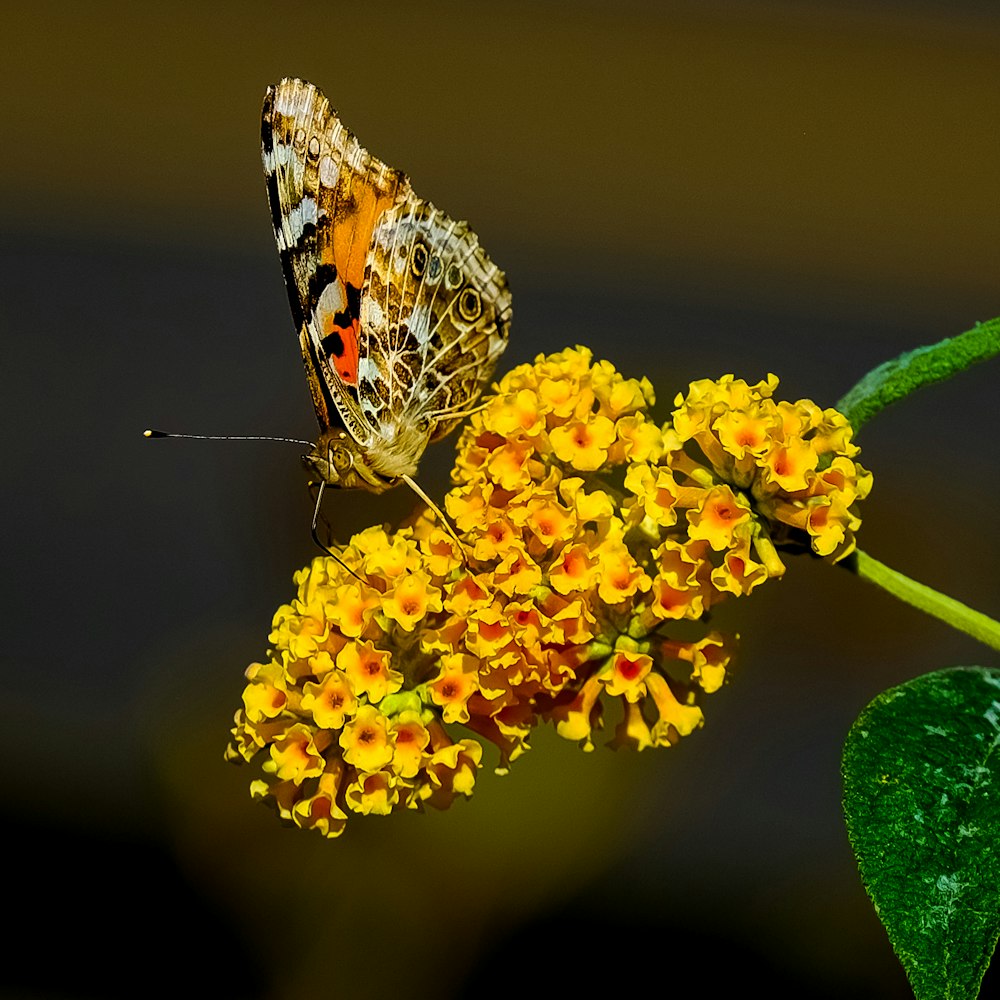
{"x": 223, "y": 437}
{"x": 314, "y": 531}
{"x": 445, "y": 523}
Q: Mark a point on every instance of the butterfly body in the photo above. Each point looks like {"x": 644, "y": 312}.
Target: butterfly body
{"x": 401, "y": 316}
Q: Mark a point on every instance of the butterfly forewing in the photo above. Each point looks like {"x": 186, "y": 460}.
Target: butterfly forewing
{"x": 401, "y": 315}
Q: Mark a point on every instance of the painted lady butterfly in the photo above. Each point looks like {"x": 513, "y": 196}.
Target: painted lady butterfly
{"x": 401, "y": 316}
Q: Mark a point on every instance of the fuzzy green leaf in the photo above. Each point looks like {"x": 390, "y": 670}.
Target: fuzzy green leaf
{"x": 910, "y": 371}
{"x": 922, "y": 798}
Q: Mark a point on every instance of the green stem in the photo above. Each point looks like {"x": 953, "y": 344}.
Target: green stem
{"x": 910, "y": 371}
{"x": 953, "y": 612}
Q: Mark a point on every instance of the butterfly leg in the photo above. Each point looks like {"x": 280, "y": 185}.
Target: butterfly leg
{"x": 314, "y": 531}
{"x": 445, "y": 523}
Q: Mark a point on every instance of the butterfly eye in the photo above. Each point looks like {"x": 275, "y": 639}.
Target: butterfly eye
{"x": 341, "y": 458}
{"x": 470, "y": 305}
{"x": 453, "y": 276}
{"x": 418, "y": 260}
{"x": 434, "y": 271}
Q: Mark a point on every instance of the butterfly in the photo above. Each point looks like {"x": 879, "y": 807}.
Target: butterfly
{"x": 400, "y": 314}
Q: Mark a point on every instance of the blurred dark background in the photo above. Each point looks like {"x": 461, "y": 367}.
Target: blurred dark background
{"x": 689, "y": 188}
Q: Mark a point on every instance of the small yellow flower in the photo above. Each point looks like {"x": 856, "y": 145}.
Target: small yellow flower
{"x": 657, "y": 493}
{"x": 563, "y": 396}
{"x": 455, "y": 683}
{"x": 718, "y": 517}
{"x": 330, "y": 701}
{"x": 351, "y": 611}
{"x": 320, "y": 811}
{"x": 790, "y": 464}
{"x": 517, "y": 414}
{"x": 266, "y": 694}
{"x": 549, "y": 522}
{"x": 451, "y": 771}
{"x": 391, "y": 560}
{"x": 366, "y": 740}
{"x": 517, "y": 573}
{"x": 593, "y": 505}
{"x": 673, "y": 602}
{"x": 368, "y": 671}
{"x": 633, "y": 731}
{"x": 627, "y": 676}
{"x": 575, "y": 570}
{"x": 410, "y": 740}
{"x": 583, "y": 444}
{"x": 621, "y": 577}
{"x": 374, "y": 793}
{"x": 638, "y": 440}
{"x": 741, "y": 432}
{"x": 298, "y": 631}
{"x": 411, "y": 600}
{"x": 675, "y": 720}
{"x": 576, "y": 721}
{"x": 467, "y": 506}
{"x": 297, "y": 753}
{"x": 509, "y": 465}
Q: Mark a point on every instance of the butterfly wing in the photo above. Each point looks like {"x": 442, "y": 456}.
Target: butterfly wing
{"x": 435, "y": 311}
{"x": 401, "y": 315}
{"x": 326, "y": 194}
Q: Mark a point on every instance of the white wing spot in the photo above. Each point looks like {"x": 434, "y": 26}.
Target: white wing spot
{"x": 280, "y": 156}
{"x": 328, "y": 171}
{"x": 285, "y": 102}
{"x": 331, "y": 300}
{"x": 420, "y": 322}
{"x": 293, "y": 224}
{"x": 372, "y": 314}
{"x": 368, "y": 370}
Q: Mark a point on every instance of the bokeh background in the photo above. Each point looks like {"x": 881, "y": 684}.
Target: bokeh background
{"x": 689, "y": 188}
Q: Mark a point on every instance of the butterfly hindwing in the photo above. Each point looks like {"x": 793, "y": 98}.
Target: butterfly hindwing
{"x": 437, "y": 311}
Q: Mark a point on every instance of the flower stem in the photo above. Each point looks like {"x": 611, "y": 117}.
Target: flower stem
{"x": 953, "y": 612}
{"x": 910, "y": 371}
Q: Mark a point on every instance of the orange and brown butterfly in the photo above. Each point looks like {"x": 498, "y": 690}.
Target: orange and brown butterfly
{"x": 401, "y": 316}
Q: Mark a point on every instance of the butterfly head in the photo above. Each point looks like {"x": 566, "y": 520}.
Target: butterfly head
{"x": 338, "y": 460}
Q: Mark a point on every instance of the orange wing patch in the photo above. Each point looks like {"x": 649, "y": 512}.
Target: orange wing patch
{"x": 359, "y": 203}
{"x": 340, "y": 343}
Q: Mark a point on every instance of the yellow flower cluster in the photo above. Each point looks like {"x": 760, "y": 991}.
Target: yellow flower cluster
{"x": 590, "y": 534}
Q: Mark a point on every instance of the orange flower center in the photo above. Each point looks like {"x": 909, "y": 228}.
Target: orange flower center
{"x": 629, "y": 669}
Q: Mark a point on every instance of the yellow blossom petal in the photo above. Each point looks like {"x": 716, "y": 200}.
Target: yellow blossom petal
{"x": 352, "y": 610}
{"x": 297, "y": 754}
{"x": 411, "y": 739}
{"x": 411, "y": 600}
{"x": 455, "y": 683}
{"x": 320, "y": 811}
{"x": 267, "y": 694}
{"x": 583, "y": 444}
{"x": 366, "y": 740}
{"x": 718, "y": 517}
{"x": 627, "y": 675}
{"x": 330, "y": 701}
{"x": 368, "y": 670}
{"x": 373, "y": 793}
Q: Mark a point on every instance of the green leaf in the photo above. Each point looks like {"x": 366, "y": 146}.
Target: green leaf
{"x": 922, "y": 798}
{"x": 903, "y": 375}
